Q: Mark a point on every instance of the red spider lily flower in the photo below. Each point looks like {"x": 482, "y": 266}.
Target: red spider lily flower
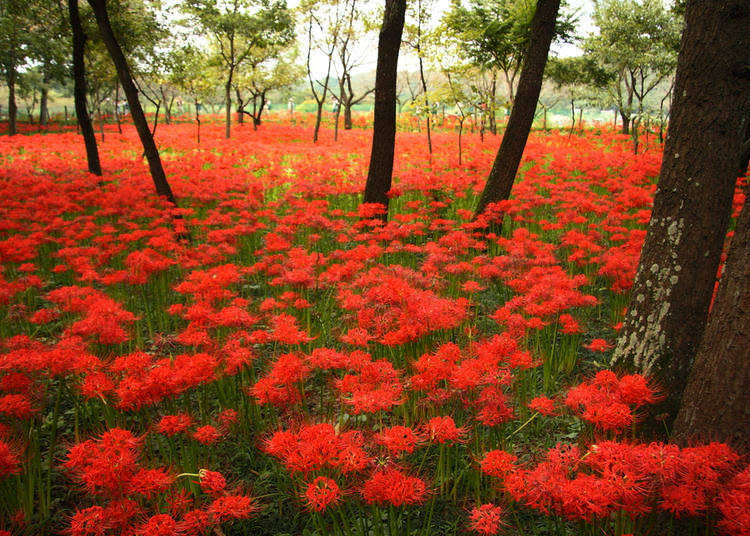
{"x": 9, "y": 462}
{"x": 232, "y": 507}
{"x": 316, "y": 446}
{"x": 486, "y": 519}
{"x": 196, "y": 523}
{"x": 443, "y": 429}
{"x": 608, "y": 401}
{"x": 543, "y": 405}
{"x": 284, "y": 330}
{"x": 598, "y": 345}
{"x": 472, "y": 287}
{"x": 149, "y": 482}
{"x": 207, "y": 435}
{"x": 96, "y": 385}
{"x": 91, "y": 521}
{"x": 497, "y": 463}
{"x": 322, "y": 493}
{"x": 158, "y": 525}
{"x": 398, "y": 439}
{"x": 212, "y": 482}
{"x": 376, "y": 387}
{"x": 734, "y": 505}
{"x": 393, "y": 487}
{"x": 179, "y": 502}
{"x": 174, "y": 424}
{"x": 492, "y": 407}
{"x": 18, "y": 406}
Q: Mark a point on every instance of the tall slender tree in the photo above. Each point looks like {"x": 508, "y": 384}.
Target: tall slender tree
{"x": 380, "y": 173}
{"x": 79, "y": 89}
{"x": 131, "y": 93}
{"x": 504, "y": 169}
{"x": 676, "y": 275}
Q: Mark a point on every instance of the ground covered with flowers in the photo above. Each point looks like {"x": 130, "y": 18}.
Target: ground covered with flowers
{"x": 296, "y": 367}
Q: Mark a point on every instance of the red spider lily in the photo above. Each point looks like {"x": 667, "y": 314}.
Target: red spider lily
{"x": 317, "y": 446}
{"x": 375, "y": 387}
{"x": 174, "y": 424}
{"x": 598, "y": 345}
{"x": 9, "y": 462}
{"x": 734, "y": 505}
{"x": 322, "y": 493}
{"x": 232, "y": 507}
{"x": 212, "y": 482}
{"x": 393, "y": 487}
{"x": 443, "y": 429}
{"x": 543, "y": 405}
{"x": 497, "y": 463}
{"x": 398, "y": 439}
{"x": 158, "y": 525}
{"x": 486, "y": 519}
{"x": 207, "y": 435}
{"x": 608, "y": 402}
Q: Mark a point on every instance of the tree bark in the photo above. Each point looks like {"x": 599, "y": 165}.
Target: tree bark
{"x": 716, "y": 403}
{"x": 12, "y": 108}
{"x": 503, "y": 173}
{"x": 79, "y": 89}
{"x": 745, "y": 150}
{"x": 380, "y": 172}
{"x": 676, "y": 275}
{"x": 44, "y": 98}
{"x": 131, "y": 93}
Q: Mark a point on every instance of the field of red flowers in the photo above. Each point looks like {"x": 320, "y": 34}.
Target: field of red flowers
{"x": 299, "y": 368}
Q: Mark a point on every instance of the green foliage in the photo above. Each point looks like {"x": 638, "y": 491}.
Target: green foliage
{"x": 637, "y": 43}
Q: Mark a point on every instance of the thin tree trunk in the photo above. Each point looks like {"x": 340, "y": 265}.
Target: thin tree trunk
{"x": 139, "y": 119}
{"x": 117, "y": 107}
{"x": 12, "y": 108}
{"x": 426, "y": 103}
{"x": 380, "y": 172}
{"x": 676, "y": 275}
{"x": 625, "y": 122}
{"x": 198, "y": 121}
{"x": 228, "y": 104}
{"x": 44, "y": 99}
{"x": 79, "y": 89}
{"x": 716, "y": 403}
{"x": 503, "y": 173}
{"x": 745, "y": 150}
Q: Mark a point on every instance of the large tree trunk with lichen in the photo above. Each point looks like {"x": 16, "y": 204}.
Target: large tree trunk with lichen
{"x": 716, "y": 402}
{"x": 384, "y": 127}
{"x": 504, "y": 169}
{"x": 79, "y": 89}
{"x": 131, "y": 92}
{"x": 676, "y": 275}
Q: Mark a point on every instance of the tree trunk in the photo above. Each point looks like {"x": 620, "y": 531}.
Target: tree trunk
{"x": 380, "y": 172}
{"x": 503, "y": 173}
{"x": 117, "y": 108}
{"x": 79, "y": 89}
{"x": 136, "y": 111}
{"x": 716, "y": 404}
{"x": 677, "y": 271}
{"x": 625, "y": 122}
{"x": 426, "y": 102}
{"x": 228, "y": 104}
{"x": 347, "y": 115}
{"x": 318, "y": 119}
{"x": 745, "y": 150}
{"x": 12, "y": 108}
{"x": 44, "y": 99}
